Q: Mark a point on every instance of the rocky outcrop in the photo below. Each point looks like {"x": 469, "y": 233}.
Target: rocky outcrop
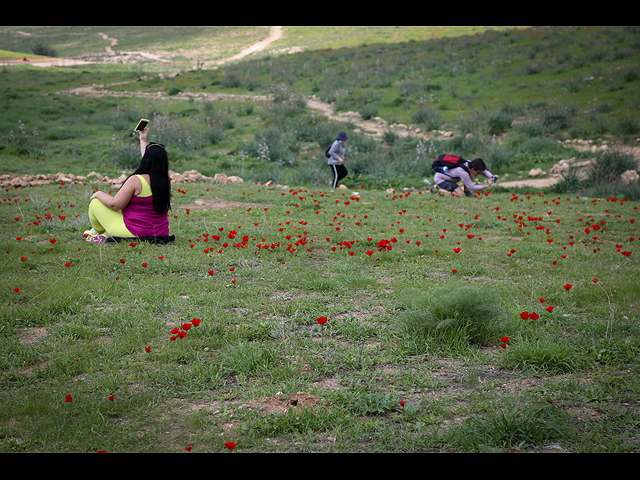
{"x": 190, "y": 176}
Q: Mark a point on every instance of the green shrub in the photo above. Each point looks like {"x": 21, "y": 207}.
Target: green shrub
{"x": 569, "y": 182}
{"x": 230, "y": 80}
{"x": 498, "y": 122}
{"x": 40, "y": 49}
{"x": 428, "y": 117}
{"x": 608, "y": 167}
{"x": 455, "y": 314}
{"x": 216, "y": 135}
{"x": 556, "y": 118}
{"x": 126, "y": 158}
{"x": 367, "y": 112}
{"x": 472, "y": 124}
{"x": 630, "y": 74}
{"x": 628, "y": 126}
{"x": 532, "y": 129}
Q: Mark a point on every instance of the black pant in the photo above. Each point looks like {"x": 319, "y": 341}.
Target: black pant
{"x": 339, "y": 172}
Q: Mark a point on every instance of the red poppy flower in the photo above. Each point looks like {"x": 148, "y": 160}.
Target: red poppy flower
{"x": 188, "y": 449}
{"x": 402, "y": 403}
{"x": 457, "y": 249}
{"x": 196, "y": 322}
{"x": 549, "y": 308}
{"x": 111, "y": 398}
{"x": 504, "y": 339}
{"x": 524, "y": 315}
{"x": 68, "y": 398}
{"x": 534, "y": 316}
{"x": 322, "y": 320}
{"x": 210, "y": 272}
{"x": 68, "y": 264}
{"x": 186, "y": 326}
{"x": 144, "y": 264}
{"x": 16, "y": 289}
{"x": 568, "y": 287}
{"x": 454, "y": 271}
{"x": 230, "y": 445}
{"x": 24, "y": 259}
{"x": 122, "y": 260}
{"x": 182, "y": 334}
{"x": 147, "y": 349}
{"x": 502, "y": 345}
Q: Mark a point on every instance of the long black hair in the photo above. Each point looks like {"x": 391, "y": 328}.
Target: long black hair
{"x": 155, "y": 162}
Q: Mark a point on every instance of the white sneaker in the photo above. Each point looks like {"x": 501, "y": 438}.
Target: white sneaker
{"x": 99, "y": 239}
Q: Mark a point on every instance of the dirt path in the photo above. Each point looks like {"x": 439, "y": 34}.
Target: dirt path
{"x": 530, "y": 182}
{"x": 274, "y": 35}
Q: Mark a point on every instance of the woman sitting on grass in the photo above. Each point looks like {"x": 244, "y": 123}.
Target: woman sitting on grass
{"x": 139, "y": 209}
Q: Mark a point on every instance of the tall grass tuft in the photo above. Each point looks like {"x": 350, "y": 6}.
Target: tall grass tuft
{"x": 428, "y": 117}
{"x": 548, "y": 356}
{"x": 457, "y": 315}
{"x": 608, "y": 167}
{"x": 514, "y": 428}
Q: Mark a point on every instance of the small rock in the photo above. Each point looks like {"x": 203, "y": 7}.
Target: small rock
{"x": 220, "y": 178}
{"x": 629, "y": 177}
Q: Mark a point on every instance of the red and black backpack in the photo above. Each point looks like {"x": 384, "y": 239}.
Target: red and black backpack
{"x": 449, "y": 161}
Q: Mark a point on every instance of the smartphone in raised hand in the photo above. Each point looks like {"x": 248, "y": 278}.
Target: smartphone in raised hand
{"x": 141, "y": 125}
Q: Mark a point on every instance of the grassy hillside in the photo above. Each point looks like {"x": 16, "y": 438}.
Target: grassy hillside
{"x": 509, "y": 96}
{"x": 179, "y": 45}
{"x": 183, "y": 44}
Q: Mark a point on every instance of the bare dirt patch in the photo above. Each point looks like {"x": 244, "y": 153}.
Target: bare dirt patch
{"x": 31, "y": 335}
{"x": 282, "y": 402}
{"x": 200, "y": 205}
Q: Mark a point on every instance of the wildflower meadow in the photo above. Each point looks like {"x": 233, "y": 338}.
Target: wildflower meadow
{"x": 287, "y": 316}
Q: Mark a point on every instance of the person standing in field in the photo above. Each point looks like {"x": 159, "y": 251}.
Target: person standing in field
{"x": 336, "y": 159}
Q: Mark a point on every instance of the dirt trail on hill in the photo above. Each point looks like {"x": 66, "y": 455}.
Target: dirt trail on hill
{"x": 274, "y": 35}
{"x": 121, "y": 56}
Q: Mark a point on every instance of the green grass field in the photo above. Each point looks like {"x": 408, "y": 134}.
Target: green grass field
{"x": 503, "y": 322}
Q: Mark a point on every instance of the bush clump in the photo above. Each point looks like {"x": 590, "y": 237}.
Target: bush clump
{"x": 455, "y": 315}
{"x": 40, "y": 49}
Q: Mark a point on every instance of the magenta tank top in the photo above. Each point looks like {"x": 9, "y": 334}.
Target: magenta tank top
{"x": 141, "y": 219}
